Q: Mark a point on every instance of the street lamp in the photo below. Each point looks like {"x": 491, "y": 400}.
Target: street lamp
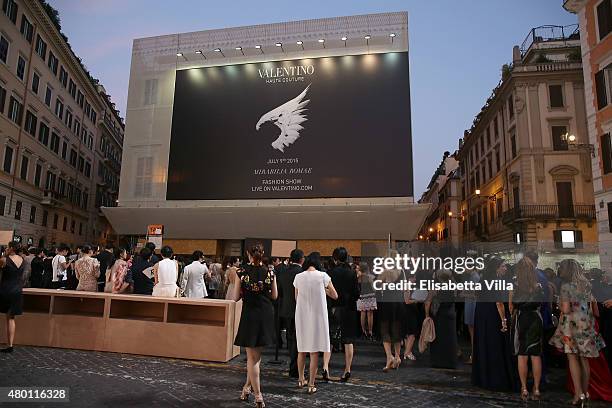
{"x": 477, "y": 192}
{"x": 571, "y": 142}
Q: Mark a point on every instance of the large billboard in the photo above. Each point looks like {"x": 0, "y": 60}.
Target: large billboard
{"x": 308, "y": 128}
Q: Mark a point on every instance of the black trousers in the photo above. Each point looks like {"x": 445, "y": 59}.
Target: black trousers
{"x": 291, "y": 346}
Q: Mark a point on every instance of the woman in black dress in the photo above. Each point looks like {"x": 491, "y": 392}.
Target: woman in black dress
{"x": 492, "y": 366}
{"x": 391, "y": 318}
{"x": 256, "y": 284}
{"x": 527, "y": 325}
{"x": 11, "y": 285}
{"x": 440, "y": 305}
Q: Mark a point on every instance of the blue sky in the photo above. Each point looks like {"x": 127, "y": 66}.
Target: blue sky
{"x": 457, "y": 48}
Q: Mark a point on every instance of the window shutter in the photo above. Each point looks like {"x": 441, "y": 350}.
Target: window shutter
{"x": 600, "y": 88}
{"x": 606, "y": 153}
{"x": 578, "y": 238}
{"x": 557, "y": 238}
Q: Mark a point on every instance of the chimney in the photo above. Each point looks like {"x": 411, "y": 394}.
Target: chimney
{"x": 516, "y": 55}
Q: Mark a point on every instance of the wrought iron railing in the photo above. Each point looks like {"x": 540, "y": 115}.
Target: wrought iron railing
{"x": 550, "y": 33}
{"x": 549, "y": 212}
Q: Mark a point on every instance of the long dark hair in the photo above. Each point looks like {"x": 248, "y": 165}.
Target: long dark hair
{"x": 256, "y": 251}
{"x": 491, "y": 266}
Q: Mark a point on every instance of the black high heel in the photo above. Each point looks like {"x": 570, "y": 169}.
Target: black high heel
{"x": 345, "y": 377}
{"x": 325, "y": 375}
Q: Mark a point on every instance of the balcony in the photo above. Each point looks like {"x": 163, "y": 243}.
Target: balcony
{"x": 549, "y": 36}
{"x": 547, "y": 212}
{"x": 51, "y": 199}
{"x": 112, "y": 128}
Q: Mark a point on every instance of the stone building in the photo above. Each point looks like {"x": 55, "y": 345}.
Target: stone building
{"x": 60, "y": 135}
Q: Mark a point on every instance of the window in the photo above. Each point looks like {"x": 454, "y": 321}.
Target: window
{"x": 606, "y": 153}
{"x": 499, "y": 204}
{"x": 604, "y": 18}
{"x": 80, "y": 99}
{"x": 43, "y": 133}
{"x": 555, "y": 93}
{"x": 77, "y": 127}
{"x": 73, "y": 157}
{"x": 72, "y": 88}
{"x": 567, "y": 239}
{"x": 497, "y": 162}
{"x": 61, "y": 187}
{"x": 59, "y": 108}
{"x": 50, "y": 183}
{"x": 65, "y": 223}
{"x": 63, "y": 77}
{"x": 18, "y": 206}
{"x": 484, "y": 173}
{"x": 64, "y": 149}
{"x": 2, "y": 99}
{"x": 53, "y": 63}
{"x": 4, "y": 47}
{"x": 496, "y": 127}
{"x": 68, "y": 119}
{"x": 144, "y": 176}
{"x": 41, "y": 47}
{"x": 72, "y": 226}
{"x": 55, "y": 141}
{"x": 81, "y": 164}
{"x": 48, "y": 95}
{"x": 513, "y": 145}
{"x": 27, "y": 29}
{"x": 150, "y": 96}
{"x": 35, "y": 82}
{"x": 603, "y": 87}
{"x": 487, "y": 138}
{"x": 55, "y": 220}
{"x": 511, "y": 106}
{"x": 8, "y": 159}
{"x": 559, "y": 136}
{"x": 45, "y": 218}
{"x": 87, "y": 109}
{"x": 2, "y": 204}
{"x": 80, "y": 228}
{"x": 15, "y": 112}
{"x": 10, "y": 8}
{"x": 23, "y": 173}
{"x": 21, "y": 66}
{"x": 33, "y": 215}
{"x": 30, "y": 123}
{"x": 87, "y": 169}
{"x": 490, "y": 165}
{"x": 94, "y": 116}
{"x": 37, "y": 175}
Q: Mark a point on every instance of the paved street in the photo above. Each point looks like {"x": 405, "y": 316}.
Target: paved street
{"x": 118, "y": 380}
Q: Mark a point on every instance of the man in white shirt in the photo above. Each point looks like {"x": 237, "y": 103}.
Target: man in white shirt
{"x": 193, "y": 284}
{"x": 60, "y": 267}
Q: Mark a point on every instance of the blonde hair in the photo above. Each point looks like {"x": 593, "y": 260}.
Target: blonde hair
{"x": 526, "y": 275}
{"x": 575, "y": 275}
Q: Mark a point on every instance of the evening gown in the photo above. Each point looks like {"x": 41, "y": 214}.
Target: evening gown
{"x": 528, "y": 326}
{"x": 492, "y": 366}
{"x": 256, "y": 327}
{"x": 11, "y": 285}
{"x": 443, "y": 350}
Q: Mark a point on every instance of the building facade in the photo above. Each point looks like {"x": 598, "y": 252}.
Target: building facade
{"x": 595, "y": 20}
{"x": 218, "y": 225}
{"x": 443, "y": 222}
{"x": 525, "y": 165}
{"x": 60, "y": 135}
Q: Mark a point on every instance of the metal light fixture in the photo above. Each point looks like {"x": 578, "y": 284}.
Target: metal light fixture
{"x": 301, "y": 44}
{"x": 431, "y": 229}
{"x": 344, "y": 39}
{"x": 450, "y": 213}
{"x": 477, "y": 192}
{"x": 201, "y": 53}
{"x": 392, "y": 35}
{"x": 322, "y": 41}
{"x": 367, "y": 38}
{"x": 259, "y": 48}
{"x": 219, "y": 51}
{"x": 179, "y": 54}
{"x": 280, "y": 44}
{"x": 240, "y": 49}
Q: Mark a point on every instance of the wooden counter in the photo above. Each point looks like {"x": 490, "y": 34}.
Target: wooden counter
{"x": 199, "y": 329}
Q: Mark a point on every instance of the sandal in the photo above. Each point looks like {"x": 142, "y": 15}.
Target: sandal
{"x": 246, "y": 391}
{"x": 397, "y": 363}
{"x": 302, "y": 383}
{"x": 312, "y": 389}
{"x": 409, "y": 356}
{"x": 536, "y": 395}
{"x": 524, "y": 394}
{"x": 259, "y": 402}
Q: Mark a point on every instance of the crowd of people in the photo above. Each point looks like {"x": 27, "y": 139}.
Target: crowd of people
{"x": 547, "y": 318}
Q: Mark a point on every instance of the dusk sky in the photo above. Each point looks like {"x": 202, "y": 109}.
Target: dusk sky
{"x": 457, "y": 48}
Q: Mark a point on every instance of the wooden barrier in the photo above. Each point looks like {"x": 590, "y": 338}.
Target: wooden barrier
{"x": 198, "y": 329}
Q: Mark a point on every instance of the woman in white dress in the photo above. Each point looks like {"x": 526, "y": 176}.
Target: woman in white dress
{"x": 166, "y": 275}
{"x": 311, "y": 323}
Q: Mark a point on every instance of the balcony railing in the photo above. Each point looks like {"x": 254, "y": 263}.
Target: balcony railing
{"x": 549, "y": 33}
{"x": 549, "y": 212}
{"x": 551, "y": 66}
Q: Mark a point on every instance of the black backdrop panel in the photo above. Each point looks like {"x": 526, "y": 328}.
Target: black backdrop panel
{"x": 321, "y": 127}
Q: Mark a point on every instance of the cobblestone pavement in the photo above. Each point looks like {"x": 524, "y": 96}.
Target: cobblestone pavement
{"x": 119, "y": 380}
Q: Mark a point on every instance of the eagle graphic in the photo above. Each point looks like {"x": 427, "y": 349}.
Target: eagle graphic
{"x": 288, "y": 117}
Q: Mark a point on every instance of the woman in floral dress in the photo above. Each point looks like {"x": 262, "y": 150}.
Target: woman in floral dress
{"x": 576, "y": 335}
{"x": 87, "y": 270}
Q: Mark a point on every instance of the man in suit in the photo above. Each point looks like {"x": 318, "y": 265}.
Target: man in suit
{"x": 286, "y": 311}
{"x": 106, "y": 259}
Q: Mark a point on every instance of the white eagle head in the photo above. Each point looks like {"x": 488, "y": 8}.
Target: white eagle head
{"x": 288, "y": 118}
